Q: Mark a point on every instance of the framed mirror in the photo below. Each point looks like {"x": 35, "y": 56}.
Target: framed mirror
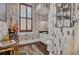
{"x": 43, "y": 24}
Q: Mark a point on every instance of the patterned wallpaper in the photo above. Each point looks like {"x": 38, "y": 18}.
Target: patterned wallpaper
{"x": 65, "y": 40}
{"x": 13, "y": 11}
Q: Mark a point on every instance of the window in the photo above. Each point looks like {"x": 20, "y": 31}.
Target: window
{"x": 25, "y": 18}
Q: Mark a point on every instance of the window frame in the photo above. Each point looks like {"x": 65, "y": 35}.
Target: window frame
{"x": 27, "y": 5}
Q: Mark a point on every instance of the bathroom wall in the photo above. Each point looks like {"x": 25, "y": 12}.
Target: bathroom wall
{"x": 65, "y": 40}
{"x": 13, "y": 11}
{"x": 77, "y": 29}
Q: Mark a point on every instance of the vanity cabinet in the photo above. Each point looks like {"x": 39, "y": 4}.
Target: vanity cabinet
{"x": 8, "y": 48}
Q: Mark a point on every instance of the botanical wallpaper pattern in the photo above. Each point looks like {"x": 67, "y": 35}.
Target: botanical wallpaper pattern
{"x": 64, "y": 40}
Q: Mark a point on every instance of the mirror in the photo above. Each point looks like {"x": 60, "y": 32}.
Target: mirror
{"x": 43, "y": 24}
{"x": 3, "y": 13}
{"x": 3, "y": 19}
